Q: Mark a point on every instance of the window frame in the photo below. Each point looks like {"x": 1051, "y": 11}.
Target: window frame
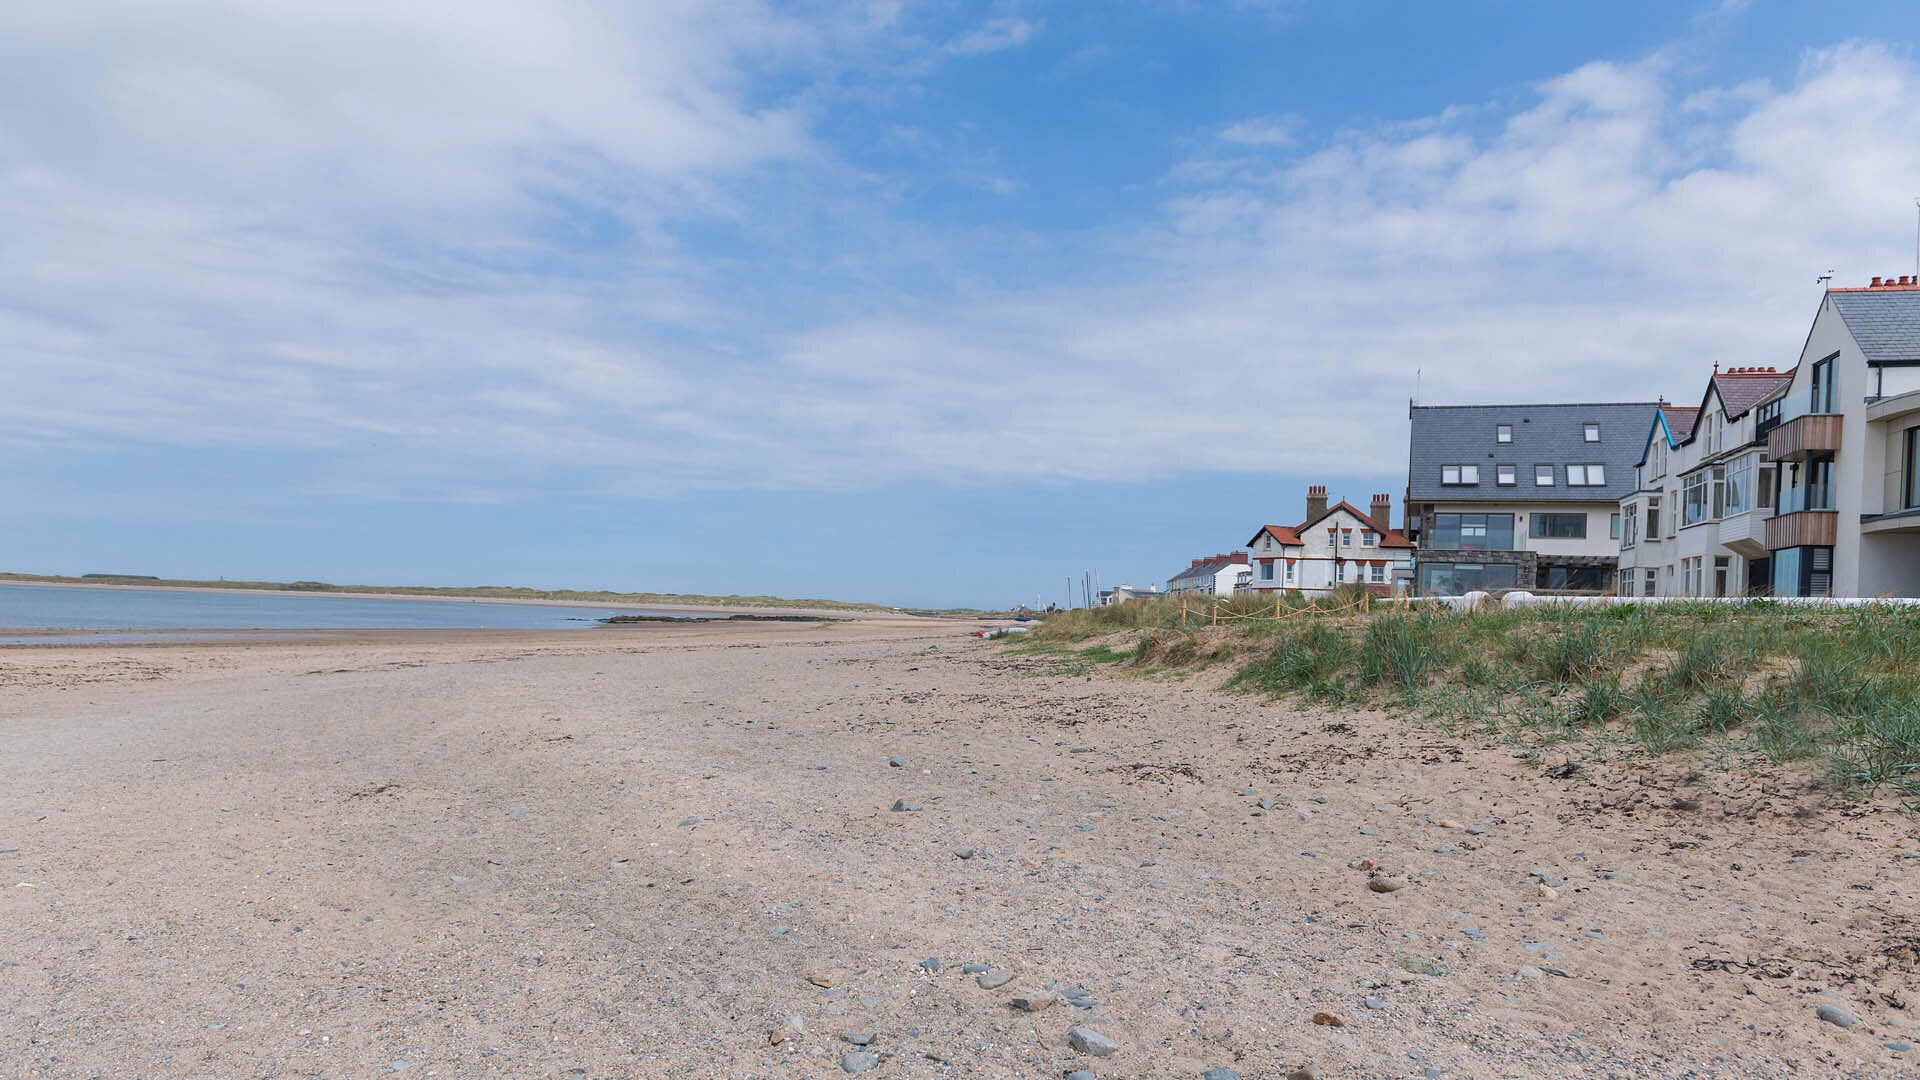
{"x": 1503, "y": 433}
{"x": 1506, "y": 475}
{"x": 1590, "y": 431}
{"x": 1540, "y": 471}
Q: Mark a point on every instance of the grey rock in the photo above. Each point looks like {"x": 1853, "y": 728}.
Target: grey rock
{"x": 1030, "y": 1002}
{"x": 1081, "y": 1074}
{"x": 1368, "y": 830}
{"x": 1088, "y": 1041}
{"x": 897, "y": 762}
{"x": 1474, "y": 933}
{"x": 1897, "y": 1046}
{"x": 1083, "y": 827}
{"x": 964, "y": 853}
{"x": 930, "y": 965}
{"x": 858, "y": 1061}
{"x": 857, "y": 1038}
{"x": 1837, "y": 1016}
{"x": 902, "y": 806}
{"x": 972, "y": 969}
{"x": 1420, "y": 965}
{"x": 994, "y": 980}
{"x": 1220, "y": 1072}
{"x": 1375, "y": 1003}
{"x": 1528, "y": 971}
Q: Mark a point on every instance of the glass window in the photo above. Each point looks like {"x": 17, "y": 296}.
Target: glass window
{"x": 1377, "y": 574}
{"x": 1738, "y": 486}
{"x": 1473, "y": 532}
{"x": 1821, "y": 385}
{"x": 1653, "y": 582}
{"x": 1469, "y": 474}
{"x": 1591, "y": 432}
{"x": 1693, "y": 498}
{"x": 1910, "y": 470}
{"x": 1505, "y": 475}
{"x": 1459, "y": 474}
{"x": 1543, "y": 476}
{"x": 1586, "y": 476}
{"x": 1719, "y": 491}
{"x": 1558, "y": 527}
{"x": 1503, "y": 433}
{"x": 1653, "y": 517}
{"x": 1266, "y": 571}
{"x": 1613, "y": 527}
{"x": 1366, "y": 539}
{"x": 1454, "y": 579}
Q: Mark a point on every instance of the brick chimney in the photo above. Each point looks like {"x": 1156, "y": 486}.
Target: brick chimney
{"x": 1316, "y": 502}
{"x": 1383, "y": 510}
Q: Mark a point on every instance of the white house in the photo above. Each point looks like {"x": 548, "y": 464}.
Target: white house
{"x": 1215, "y": 575}
{"x": 1334, "y": 545}
{"x": 1695, "y": 523}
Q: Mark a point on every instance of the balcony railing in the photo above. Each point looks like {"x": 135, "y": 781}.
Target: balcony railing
{"x": 1801, "y": 432}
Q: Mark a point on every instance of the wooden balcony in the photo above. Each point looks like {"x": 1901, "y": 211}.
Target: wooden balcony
{"x": 1803, "y": 528}
{"x": 1814, "y": 433}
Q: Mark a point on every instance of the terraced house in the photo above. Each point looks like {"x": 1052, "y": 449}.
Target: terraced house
{"x": 1520, "y": 496}
{"x": 1695, "y": 523}
{"x": 1844, "y": 434}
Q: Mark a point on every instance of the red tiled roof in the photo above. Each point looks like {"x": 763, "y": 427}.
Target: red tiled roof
{"x": 1742, "y": 388}
{"x": 1281, "y": 535}
{"x": 1680, "y": 421}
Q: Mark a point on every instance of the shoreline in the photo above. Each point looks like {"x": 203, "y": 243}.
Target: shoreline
{"x": 627, "y": 605}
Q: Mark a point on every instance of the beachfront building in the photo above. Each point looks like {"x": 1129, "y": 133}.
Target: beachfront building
{"x": 1695, "y": 522}
{"x": 1520, "y": 496}
{"x": 1215, "y": 575}
{"x": 1844, "y": 434}
{"x": 1334, "y": 545}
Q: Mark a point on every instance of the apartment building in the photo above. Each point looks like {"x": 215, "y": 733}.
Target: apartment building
{"x": 1844, "y": 434}
{"x": 1214, "y": 575}
{"x": 1520, "y": 496}
{"x": 1695, "y": 522}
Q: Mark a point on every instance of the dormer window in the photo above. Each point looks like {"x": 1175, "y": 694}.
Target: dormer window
{"x": 1591, "y": 432}
{"x": 1459, "y": 475}
{"x": 1503, "y": 433}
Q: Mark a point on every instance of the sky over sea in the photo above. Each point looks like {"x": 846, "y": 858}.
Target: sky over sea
{"x": 928, "y": 304}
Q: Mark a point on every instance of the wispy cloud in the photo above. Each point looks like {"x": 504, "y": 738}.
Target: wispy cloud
{"x": 516, "y": 247}
{"x": 994, "y": 35}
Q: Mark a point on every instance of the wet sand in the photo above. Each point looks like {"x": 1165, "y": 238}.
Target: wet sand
{"x": 620, "y": 853}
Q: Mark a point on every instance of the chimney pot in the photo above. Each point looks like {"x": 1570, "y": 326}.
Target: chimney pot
{"x": 1874, "y": 284}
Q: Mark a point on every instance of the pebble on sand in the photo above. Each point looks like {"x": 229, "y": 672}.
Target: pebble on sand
{"x": 857, "y": 1038}
{"x": 1837, "y": 1016}
{"x": 859, "y": 1061}
{"x": 964, "y": 853}
{"x": 1220, "y": 1072}
{"x": 789, "y": 1028}
{"x": 1385, "y": 884}
{"x": 1327, "y": 1019}
{"x": 994, "y": 980}
{"x": 1088, "y": 1041}
{"x": 902, "y": 806}
{"x": 820, "y": 977}
{"x": 1029, "y": 1002}
{"x": 897, "y": 762}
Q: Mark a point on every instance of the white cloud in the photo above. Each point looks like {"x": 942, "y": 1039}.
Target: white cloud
{"x": 994, "y": 35}
{"x": 1262, "y": 131}
{"x": 446, "y": 248}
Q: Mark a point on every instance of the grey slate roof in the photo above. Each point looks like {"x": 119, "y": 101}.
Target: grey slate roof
{"x": 1742, "y": 391}
{"x": 1886, "y": 322}
{"x": 1542, "y": 435}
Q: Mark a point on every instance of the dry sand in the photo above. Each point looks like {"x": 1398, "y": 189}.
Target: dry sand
{"x": 620, "y": 854}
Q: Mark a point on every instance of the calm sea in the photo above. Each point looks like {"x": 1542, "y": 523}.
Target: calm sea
{"x": 36, "y": 607}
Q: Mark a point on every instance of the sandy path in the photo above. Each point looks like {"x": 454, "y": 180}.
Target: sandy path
{"x": 619, "y": 856}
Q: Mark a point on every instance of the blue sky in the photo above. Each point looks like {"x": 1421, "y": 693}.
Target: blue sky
{"x": 924, "y": 304}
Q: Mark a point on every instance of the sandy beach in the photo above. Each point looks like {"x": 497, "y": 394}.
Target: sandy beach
{"x": 637, "y": 852}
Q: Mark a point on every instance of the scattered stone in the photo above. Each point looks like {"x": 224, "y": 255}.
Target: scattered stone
{"x": 1448, "y": 823}
{"x": 1080, "y": 750}
{"x": 1837, "y": 1016}
{"x": 972, "y": 969}
{"x": 820, "y": 977}
{"x": 1368, "y": 830}
{"x": 1897, "y": 1046}
{"x": 964, "y": 853}
{"x": 1566, "y": 771}
{"x": 1327, "y": 1019}
{"x": 859, "y": 1061}
{"x": 1220, "y": 1072}
{"x": 781, "y": 931}
{"x": 1443, "y": 849}
{"x": 1088, "y": 1041}
{"x": 1528, "y": 971}
{"x": 1304, "y": 1072}
{"x": 1082, "y": 1074}
{"x": 857, "y": 1038}
{"x": 1475, "y": 830}
{"x": 930, "y": 965}
{"x": 1385, "y": 884}
{"x": 791, "y": 1027}
{"x": 1030, "y": 1002}
{"x": 689, "y": 822}
{"x": 994, "y": 980}
{"x": 1548, "y": 892}
{"x": 1474, "y": 933}
{"x": 1420, "y": 965}
{"x": 897, "y": 762}
{"x": 902, "y": 806}
{"x": 1375, "y": 1002}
